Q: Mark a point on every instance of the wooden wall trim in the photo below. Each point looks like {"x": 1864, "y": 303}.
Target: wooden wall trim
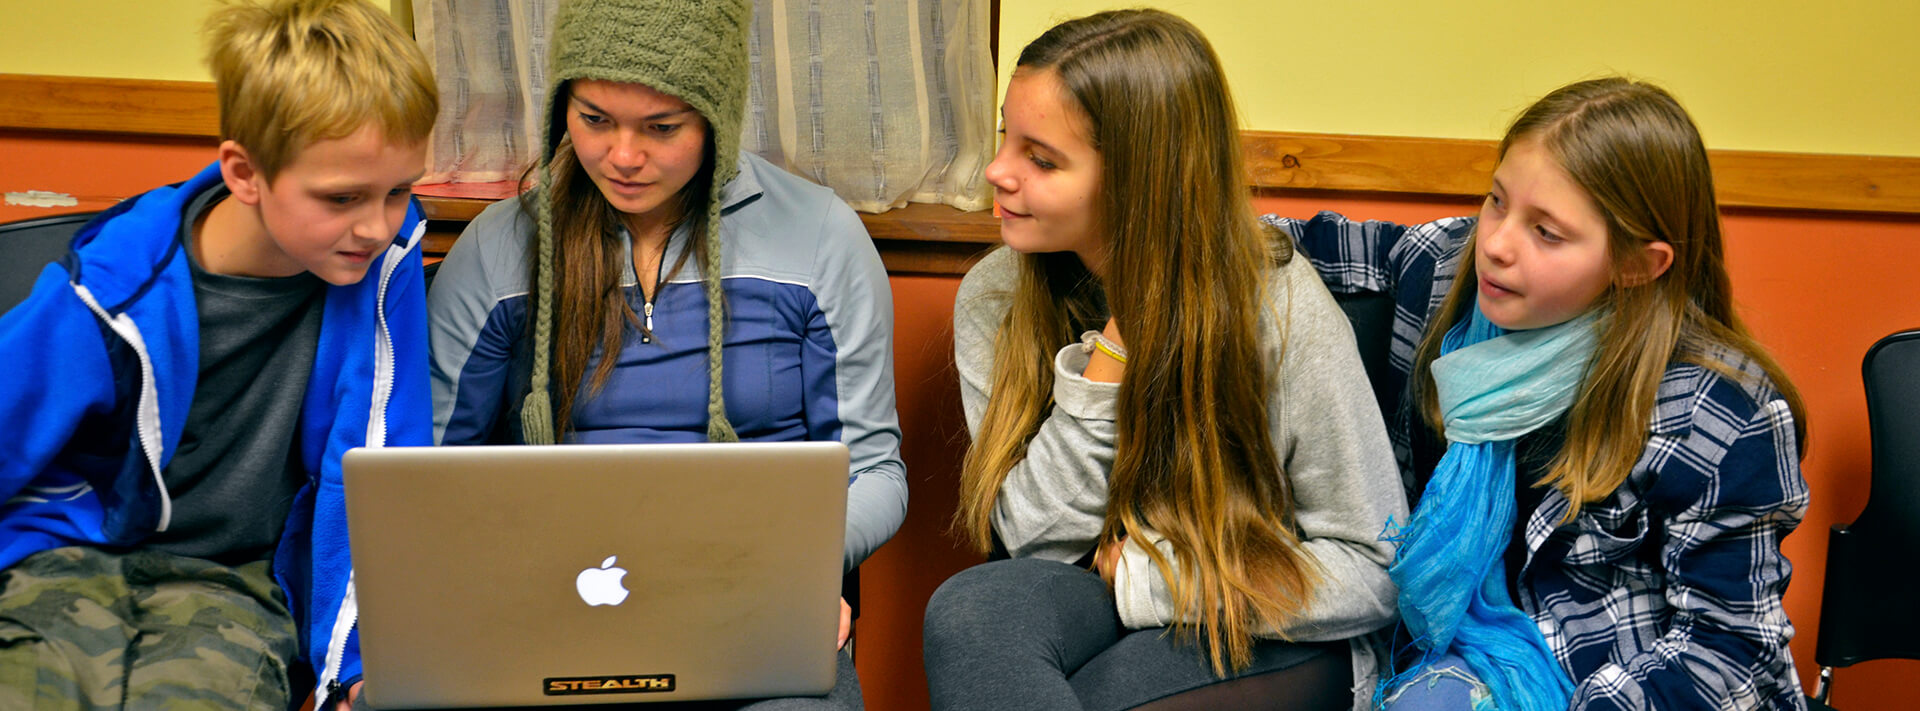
{"x": 1276, "y": 160}
{"x": 1428, "y": 166}
{"x": 97, "y": 105}
{"x": 1444, "y": 166}
{"x": 916, "y": 239}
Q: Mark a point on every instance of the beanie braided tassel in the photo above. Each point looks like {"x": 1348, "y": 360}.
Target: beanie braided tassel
{"x": 719, "y": 429}
{"x": 536, "y": 413}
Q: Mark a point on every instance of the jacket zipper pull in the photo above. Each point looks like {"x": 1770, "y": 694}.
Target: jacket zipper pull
{"x": 646, "y": 331}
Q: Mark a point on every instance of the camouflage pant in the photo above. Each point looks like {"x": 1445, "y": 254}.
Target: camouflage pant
{"x": 82, "y": 628}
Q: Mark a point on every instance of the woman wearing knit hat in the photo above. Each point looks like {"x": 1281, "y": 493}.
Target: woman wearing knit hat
{"x": 658, "y": 285}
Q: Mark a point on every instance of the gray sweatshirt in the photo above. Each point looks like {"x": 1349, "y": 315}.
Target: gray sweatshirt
{"x": 1325, "y": 425}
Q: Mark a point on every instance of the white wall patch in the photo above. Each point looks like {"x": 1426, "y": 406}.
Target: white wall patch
{"x": 41, "y": 198}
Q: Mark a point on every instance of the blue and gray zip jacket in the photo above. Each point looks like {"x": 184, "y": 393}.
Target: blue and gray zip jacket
{"x": 103, "y": 361}
{"x": 808, "y": 342}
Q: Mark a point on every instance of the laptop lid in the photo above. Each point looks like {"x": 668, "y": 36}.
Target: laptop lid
{"x": 577, "y": 574}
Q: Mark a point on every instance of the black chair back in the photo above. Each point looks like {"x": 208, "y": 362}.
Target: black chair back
{"x": 1371, "y": 314}
{"x": 1871, "y": 608}
{"x": 27, "y": 247}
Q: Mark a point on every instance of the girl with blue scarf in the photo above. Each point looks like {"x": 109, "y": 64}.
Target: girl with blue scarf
{"x": 1609, "y": 459}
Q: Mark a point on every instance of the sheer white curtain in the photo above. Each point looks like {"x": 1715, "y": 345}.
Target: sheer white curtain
{"x": 489, "y": 57}
{"x": 885, "y": 101}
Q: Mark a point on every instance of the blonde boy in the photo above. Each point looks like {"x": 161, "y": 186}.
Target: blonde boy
{"x": 181, "y": 386}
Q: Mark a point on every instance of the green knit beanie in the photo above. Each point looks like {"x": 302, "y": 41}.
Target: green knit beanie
{"x": 692, "y": 49}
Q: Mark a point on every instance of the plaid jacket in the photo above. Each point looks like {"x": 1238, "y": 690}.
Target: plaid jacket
{"x": 1667, "y": 593}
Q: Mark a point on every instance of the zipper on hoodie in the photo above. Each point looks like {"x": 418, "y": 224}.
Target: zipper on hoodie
{"x": 383, "y": 345}
{"x": 146, "y": 413}
{"x": 659, "y": 282}
{"x": 336, "y": 647}
{"x": 343, "y": 624}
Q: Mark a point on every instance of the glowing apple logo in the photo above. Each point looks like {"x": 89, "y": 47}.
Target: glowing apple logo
{"x": 601, "y": 586}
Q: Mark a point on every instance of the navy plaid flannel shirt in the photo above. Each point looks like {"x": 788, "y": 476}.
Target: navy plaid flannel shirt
{"x": 1667, "y": 593}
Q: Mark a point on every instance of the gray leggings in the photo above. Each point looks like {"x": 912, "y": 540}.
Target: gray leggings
{"x": 1034, "y": 634}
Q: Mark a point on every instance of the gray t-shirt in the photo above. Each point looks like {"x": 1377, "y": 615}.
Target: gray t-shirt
{"x": 237, "y": 467}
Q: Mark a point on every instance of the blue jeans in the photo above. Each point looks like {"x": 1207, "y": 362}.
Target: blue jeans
{"x": 1446, "y": 685}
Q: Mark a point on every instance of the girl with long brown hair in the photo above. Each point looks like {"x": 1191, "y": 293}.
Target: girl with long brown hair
{"x": 660, "y": 285}
{"x": 1610, "y": 460}
{"x": 1156, "y": 389}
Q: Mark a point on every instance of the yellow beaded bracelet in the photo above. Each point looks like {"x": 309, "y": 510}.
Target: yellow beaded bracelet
{"x": 1096, "y": 341}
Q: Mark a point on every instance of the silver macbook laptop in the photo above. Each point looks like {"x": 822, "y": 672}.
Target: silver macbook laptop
{"x": 579, "y": 574}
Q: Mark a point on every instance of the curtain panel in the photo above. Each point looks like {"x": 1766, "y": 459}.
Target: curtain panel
{"x": 885, "y": 101}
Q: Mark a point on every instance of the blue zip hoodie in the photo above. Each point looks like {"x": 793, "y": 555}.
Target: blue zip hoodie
{"x": 103, "y": 361}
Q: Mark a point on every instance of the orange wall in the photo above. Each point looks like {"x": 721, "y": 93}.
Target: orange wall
{"x": 1817, "y": 289}
{"x": 97, "y": 171}
{"x": 896, "y": 582}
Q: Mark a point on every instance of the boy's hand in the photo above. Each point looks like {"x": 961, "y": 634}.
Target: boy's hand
{"x": 353, "y": 694}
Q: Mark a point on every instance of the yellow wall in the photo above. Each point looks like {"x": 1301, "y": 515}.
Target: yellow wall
{"x": 1828, "y": 77}
{"x": 133, "y": 39}
{"x": 1784, "y": 75}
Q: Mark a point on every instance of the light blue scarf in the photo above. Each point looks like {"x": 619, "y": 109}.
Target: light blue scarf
{"x": 1493, "y": 387}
